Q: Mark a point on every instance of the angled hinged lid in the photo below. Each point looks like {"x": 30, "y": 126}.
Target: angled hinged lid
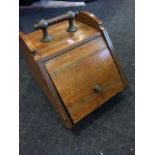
{"x": 77, "y": 74}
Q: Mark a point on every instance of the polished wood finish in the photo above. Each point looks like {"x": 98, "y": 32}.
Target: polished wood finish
{"x": 89, "y": 19}
{"x": 62, "y": 39}
{"x": 37, "y": 70}
{"x": 112, "y": 51}
{"x": 76, "y": 72}
{"x": 73, "y": 64}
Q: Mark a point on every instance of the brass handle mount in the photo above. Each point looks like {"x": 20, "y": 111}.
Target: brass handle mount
{"x": 43, "y": 24}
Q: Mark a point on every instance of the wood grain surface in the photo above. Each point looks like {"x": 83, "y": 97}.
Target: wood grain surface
{"x": 76, "y": 72}
{"x": 62, "y": 38}
{"x": 89, "y": 19}
{"x": 38, "y": 72}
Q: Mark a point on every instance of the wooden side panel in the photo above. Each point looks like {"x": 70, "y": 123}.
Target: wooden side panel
{"x": 29, "y": 59}
{"x": 76, "y": 73}
{"x": 89, "y": 19}
{"x": 36, "y": 70}
{"x": 112, "y": 51}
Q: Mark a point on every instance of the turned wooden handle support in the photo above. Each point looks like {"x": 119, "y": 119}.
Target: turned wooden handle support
{"x": 43, "y": 24}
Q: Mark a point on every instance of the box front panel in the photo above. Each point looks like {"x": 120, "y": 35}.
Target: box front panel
{"x": 85, "y": 77}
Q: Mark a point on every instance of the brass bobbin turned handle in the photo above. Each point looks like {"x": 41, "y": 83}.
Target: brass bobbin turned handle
{"x": 43, "y": 24}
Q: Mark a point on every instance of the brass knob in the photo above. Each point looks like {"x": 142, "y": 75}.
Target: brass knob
{"x": 43, "y": 25}
{"x": 71, "y": 17}
{"x": 97, "y": 88}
